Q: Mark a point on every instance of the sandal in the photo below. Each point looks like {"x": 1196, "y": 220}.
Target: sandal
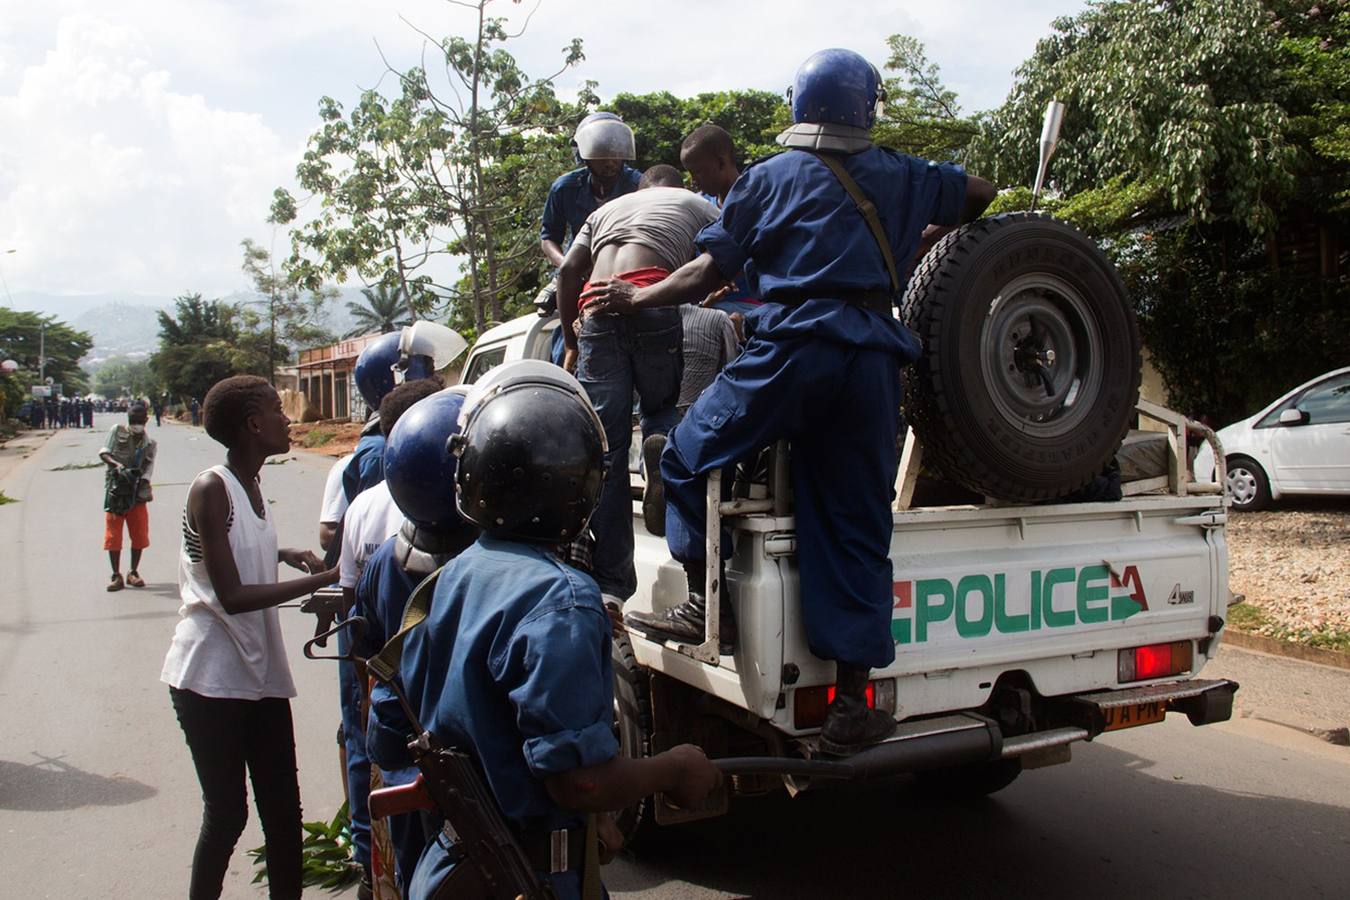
{"x": 134, "y": 579}
{"x": 116, "y": 583}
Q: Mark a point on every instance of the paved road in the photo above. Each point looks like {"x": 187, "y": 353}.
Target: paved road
{"x": 98, "y": 798}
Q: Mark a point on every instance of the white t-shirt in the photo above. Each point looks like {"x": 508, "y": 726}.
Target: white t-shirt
{"x": 371, "y": 520}
{"x": 334, "y": 497}
{"x": 213, "y": 653}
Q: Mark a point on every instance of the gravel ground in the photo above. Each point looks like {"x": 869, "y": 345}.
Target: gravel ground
{"x": 1293, "y": 564}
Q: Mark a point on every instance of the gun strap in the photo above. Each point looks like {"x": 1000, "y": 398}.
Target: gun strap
{"x": 385, "y": 664}
{"x": 590, "y": 874}
{"x": 866, "y": 208}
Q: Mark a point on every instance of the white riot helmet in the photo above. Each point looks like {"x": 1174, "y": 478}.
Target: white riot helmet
{"x": 604, "y": 136}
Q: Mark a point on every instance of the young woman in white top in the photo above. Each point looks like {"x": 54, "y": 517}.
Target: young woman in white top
{"x": 226, "y": 669}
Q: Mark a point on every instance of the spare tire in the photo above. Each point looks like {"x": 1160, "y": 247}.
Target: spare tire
{"x": 1030, "y": 366}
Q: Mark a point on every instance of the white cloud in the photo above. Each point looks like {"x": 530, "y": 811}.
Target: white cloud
{"x": 140, "y": 141}
{"x": 117, "y": 182}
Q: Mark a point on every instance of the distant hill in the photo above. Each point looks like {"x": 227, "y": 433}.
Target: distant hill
{"x": 128, "y": 324}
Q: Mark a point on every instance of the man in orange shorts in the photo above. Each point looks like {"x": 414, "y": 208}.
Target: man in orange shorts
{"x": 640, "y": 238}
{"x": 130, "y": 456}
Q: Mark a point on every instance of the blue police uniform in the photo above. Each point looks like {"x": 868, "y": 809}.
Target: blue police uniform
{"x": 819, "y": 371}
{"x": 364, "y": 470}
{"x": 512, "y": 666}
{"x": 366, "y": 467}
{"x": 571, "y": 200}
{"x": 381, "y": 595}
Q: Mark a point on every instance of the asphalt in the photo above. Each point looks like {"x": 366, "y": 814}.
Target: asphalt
{"x": 98, "y": 797}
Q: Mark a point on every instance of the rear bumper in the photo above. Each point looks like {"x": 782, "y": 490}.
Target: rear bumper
{"x": 967, "y": 738}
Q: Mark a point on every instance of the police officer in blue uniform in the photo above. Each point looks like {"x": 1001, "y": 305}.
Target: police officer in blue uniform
{"x": 512, "y": 665}
{"x": 420, "y": 471}
{"x": 381, "y": 365}
{"x": 602, "y": 145}
{"x": 821, "y": 367}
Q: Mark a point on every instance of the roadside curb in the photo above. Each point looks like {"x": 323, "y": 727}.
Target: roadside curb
{"x": 1287, "y": 649}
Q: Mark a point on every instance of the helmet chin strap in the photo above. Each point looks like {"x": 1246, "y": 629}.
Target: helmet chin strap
{"x": 421, "y": 551}
{"x": 826, "y": 136}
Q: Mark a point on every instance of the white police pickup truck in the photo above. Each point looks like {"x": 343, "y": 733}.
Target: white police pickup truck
{"x": 1022, "y": 623}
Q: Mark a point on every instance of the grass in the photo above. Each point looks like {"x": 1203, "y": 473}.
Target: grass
{"x": 1249, "y": 618}
{"x": 5, "y": 498}
{"x": 318, "y": 437}
{"x": 280, "y": 462}
{"x": 326, "y": 853}
{"x": 71, "y": 467}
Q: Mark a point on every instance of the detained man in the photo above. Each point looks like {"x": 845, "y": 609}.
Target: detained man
{"x": 638, "y": 238}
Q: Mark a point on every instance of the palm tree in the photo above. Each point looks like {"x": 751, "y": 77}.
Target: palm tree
{"x": 383, "y": 311}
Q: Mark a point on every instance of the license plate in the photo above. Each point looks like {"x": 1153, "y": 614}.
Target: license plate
{"x": 1118, "y": 717}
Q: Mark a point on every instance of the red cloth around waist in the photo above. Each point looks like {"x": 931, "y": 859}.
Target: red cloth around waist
{"x": 644, "y": 277}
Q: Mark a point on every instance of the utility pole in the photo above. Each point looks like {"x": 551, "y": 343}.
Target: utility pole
{"x": 42, "y": 353}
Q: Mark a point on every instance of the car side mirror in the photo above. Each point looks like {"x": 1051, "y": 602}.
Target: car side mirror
{"x": 1293, "y": 417}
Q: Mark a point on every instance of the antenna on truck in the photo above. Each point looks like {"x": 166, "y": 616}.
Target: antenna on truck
{"x": 1054, "y": 117}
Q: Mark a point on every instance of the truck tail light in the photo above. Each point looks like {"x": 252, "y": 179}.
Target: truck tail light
{"x": 1154, "y": 661}
{"x": 809, "y": 704}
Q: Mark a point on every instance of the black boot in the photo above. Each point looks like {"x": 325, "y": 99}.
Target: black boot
{"x": 654, "y": 494}
{"x": 685, "y": 623}
{"x": 849, "y": 724}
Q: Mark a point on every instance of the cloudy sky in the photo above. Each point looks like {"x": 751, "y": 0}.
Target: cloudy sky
{"x": 140, "y": 140}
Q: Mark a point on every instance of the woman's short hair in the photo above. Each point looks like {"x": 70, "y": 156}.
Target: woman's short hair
{"x": 230, "y": 402}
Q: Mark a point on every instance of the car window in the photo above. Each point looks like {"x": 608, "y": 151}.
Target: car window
{"x": 1328, "y": 402}
{"x": 483, "y": 363}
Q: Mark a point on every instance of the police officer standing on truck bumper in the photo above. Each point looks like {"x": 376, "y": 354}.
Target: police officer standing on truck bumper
{"x": 821, "y": 367}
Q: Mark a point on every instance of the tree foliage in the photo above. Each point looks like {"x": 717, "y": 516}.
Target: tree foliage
{"x": 202, "y": 342}
{"x": 285, "y": 316}
{"x": 382, "y": 312}
{"x": 1199, "y": 134}
{"x": 124, "y": 376}
{"x": 921, "y": 115}
{"x": 1182, "y": 94}
{"x": 22, "y": 339}
{"x": 407, "y": 179}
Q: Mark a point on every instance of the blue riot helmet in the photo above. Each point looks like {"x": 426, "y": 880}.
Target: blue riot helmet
{"x": 836, "y": 87}
{"x": 531, "y": 454}
{"x": 419, "y": 466}
{"x": 374, "y": 370}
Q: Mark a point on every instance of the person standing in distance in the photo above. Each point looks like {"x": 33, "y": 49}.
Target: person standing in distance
{"x": 129, "y": 454}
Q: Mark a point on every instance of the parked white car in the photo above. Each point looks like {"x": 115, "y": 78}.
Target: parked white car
{"x": 1300, "y": 444}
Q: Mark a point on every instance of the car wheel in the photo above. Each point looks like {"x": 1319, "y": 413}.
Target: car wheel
{"x": 1031, "y": 358}
{"x": 1247, "y": 484}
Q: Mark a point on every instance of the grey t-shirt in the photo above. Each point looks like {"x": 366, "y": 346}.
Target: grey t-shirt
{"x": 663, "y": 219}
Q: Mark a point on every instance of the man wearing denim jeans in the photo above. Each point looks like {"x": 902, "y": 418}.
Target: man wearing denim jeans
{"x": 639, "y": 238}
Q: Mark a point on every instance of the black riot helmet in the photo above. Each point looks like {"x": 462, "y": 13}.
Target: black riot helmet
{"x": 531, "y": 454}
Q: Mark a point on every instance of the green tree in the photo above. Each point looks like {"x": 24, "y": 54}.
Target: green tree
{"x": 1176, "y": 96}
{"x": 921, "y": 115}
{"x": 382, "y": 312}
{"x": 661, "y": 121}
{"x": 288, "y": 318}
{"x": 1197, "y": 132}
{"x": 24, "y": 335}
{"x": 121, "y": 375}
{"x": 203, "y": 342}
{"x": 405, "y": 180}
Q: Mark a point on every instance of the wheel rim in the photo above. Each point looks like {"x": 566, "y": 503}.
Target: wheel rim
{"x": 1041, "y": 355}
{"x": 1242, "y": 485}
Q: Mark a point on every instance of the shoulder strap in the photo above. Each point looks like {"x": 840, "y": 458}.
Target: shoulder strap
{"x": 866, "y": 208}
{"x": 385, "y": 664}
